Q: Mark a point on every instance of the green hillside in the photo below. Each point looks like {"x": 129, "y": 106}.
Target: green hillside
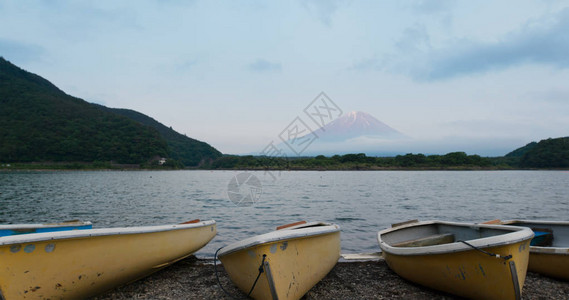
{"x": 40, "y": 123}
{"x": 189, "y": 151}
{"x": 549, "y": 153}
{"x": 522, "y": 150}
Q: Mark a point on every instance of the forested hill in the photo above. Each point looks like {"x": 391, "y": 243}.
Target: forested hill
{"x": 548, "y": 153}
{"x": 189, "y": 151}
{"x": 39, "y": 122}
{"x": 522, "y": 150}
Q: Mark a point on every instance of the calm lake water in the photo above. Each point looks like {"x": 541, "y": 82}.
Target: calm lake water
{"x": 361, "y": 202}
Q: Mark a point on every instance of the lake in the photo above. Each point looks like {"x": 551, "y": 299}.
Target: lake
{"x": 361, "y": 202}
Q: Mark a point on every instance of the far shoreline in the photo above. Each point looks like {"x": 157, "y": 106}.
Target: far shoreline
{"x": 53, "y": 168}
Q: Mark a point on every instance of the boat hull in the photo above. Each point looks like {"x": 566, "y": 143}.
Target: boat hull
{"x": 550, "y": 264}
{"x": 291, "y": 266}
{"x": 468, "y": 260}
{"x": 79, "y": 267}
{"x": 553, "y": 260}
{"x": 468, "y": 274}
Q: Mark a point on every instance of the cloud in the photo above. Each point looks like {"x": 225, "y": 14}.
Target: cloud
{"x": 433, "y": 7}
{"x": 366, "y": 64}
{"x": 489, "y": 127}
{"x": 19, "y": 52}
{"x": 87, "y": 20}
{"x": 324, "y": 10}
{"x": 187, "y": 65}
{"x": 555, "y": 96}
{"x": 544, "y": 42}
{"x": 484, "y": 146}
{"x": 414, "y": 42}
{"x": 261, "y": 65}
{"x": 414, "y": 39}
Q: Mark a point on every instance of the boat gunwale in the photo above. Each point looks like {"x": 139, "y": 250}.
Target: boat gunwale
{"x": 44, "y": 225}
{"x": 86, "y": 233}
{"x": 517, "y": 234}
{"x": 541, "y": 249}
{"x": 294, "y": 232}
{"x": 549, "y": 250}
{"x": 537, "y": 222}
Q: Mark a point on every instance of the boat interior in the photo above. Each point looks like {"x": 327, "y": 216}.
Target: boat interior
{"x": 302, "y": 224}
{"x": 547, "y": 234}
{"x": 17, "y": 229}
{"x": 437, "y": 234}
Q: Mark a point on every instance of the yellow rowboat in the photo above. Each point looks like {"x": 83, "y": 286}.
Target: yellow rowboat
{"x": 15, "y": 229}
{"x": 283, "y": 264}
{"x": 81, "y": 263}
{"x": 469, "y": 260}
{"x": 549, "y": 249}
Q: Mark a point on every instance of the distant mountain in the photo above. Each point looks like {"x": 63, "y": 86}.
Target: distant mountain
{"x": 356, "y": 124}
{"x": 354, "y": 132}
{"x": 39, "y": 122}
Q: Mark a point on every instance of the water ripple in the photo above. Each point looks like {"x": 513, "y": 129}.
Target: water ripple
{"x": 362, "y": 203}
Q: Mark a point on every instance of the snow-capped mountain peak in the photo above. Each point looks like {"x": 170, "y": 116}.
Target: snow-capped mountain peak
{"x": 355, "y": 124}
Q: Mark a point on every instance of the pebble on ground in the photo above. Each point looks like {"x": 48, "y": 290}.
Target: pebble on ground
{"x": 193, "y": 278}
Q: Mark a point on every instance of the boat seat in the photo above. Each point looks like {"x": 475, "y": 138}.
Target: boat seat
{"x": 436, "y": 239}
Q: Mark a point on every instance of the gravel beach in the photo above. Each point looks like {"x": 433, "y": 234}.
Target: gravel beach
{"x": 194, "y": 278}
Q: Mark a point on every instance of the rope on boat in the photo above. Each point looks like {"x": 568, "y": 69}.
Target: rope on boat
{"x": 507, "y": 257}
{"x": 217, "y": 276}
{"x": 261, "y": 270}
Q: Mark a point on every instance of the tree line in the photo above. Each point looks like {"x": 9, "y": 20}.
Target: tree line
{"x": 358, "y": 161}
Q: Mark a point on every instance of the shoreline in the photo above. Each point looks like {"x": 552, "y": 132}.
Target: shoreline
{"x": 12, "y": 169}
{"x": 194, "y": 278}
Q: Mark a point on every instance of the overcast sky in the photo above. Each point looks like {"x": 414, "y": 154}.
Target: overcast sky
{"x": 483, "y": 77}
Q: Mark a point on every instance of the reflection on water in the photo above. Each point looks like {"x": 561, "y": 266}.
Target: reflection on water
{"x": 361, "y": 202}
